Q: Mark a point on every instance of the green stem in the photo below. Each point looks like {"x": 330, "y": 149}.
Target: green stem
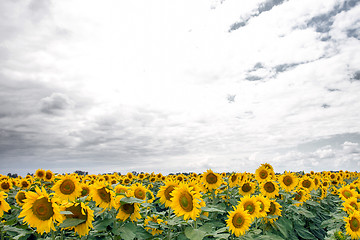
{"x": 52, "y": 235}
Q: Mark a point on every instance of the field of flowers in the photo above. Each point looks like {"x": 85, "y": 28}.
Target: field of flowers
{"x": 261, "y": 205}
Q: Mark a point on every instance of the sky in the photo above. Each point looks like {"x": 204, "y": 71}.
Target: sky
{"x": 179, "y": 86}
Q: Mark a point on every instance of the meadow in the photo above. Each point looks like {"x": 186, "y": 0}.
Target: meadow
{"x": 209, "y": 205}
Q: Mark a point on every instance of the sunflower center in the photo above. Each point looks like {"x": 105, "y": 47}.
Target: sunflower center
{"x": 139, "y": 193}
{"x": 269, "y": 187}
{"x": 43, "y": 209}
{"x": 48, "y": 175}
{"x": 67, "y": 187}
{"x": 272, "y": 209}
{"x": 354, "y": 205}
{"x": 306, "y": 183}
{"x": 24, "y": 184}
{"x": 263, "y": 174}
{"x": 288, "y": 180}
{"x": 325, "y": 184}
{"x": 40, "y": 174}
{"x": 128, "y": 208}
{"x": 238, "y": 220}
{"x": 21, "y": 197}
{"x": 246, "y": 187}
{"x": 186, "y": 202}
{"x": 168, "y": 190}
{"x": 5, "y": 185}
{"x": 77, "y": 212}
{"x": 211, "y": 178}
{"x": 347, "y": 194}
{"x": 298, "y": 196}
{"x": 84, "y": 192}
{"x": 233, "y": 178}
{"x": 261, "y": 206}
{"x": 104, "y": 195}
{"x": 354, "y": 224}
{"x": 250, "y": 207}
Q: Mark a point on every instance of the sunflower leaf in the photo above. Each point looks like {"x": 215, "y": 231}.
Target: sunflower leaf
{"x": 194, "y": 234}
{"x": 71, "y": 222}
{"x": 131, "y": 200}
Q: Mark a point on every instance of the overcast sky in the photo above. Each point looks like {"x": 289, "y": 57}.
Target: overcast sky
{"x": 178, "y": 86}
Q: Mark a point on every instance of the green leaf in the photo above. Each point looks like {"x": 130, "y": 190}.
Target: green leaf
{"x": 194, "y": 234}
{"x": 270, "y": 236}
{"x": 131, "y": 200}
{"x": 305, "y": 212}
{"x": 212, "y": 209}
{"x": 284, "y": 225}
{"x": 207, "y": 227}
{"x": 71, "y": 222}
{"x": 304, "y": 233}
{"x": 312, "y": 203}
{"x": 126, "y": 233}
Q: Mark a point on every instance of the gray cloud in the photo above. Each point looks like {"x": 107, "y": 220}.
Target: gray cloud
{"x": 55, "y": 103}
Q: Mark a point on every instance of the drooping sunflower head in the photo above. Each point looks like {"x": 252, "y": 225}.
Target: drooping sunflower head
{"x": 238, "y": 221}
{"x": 80, "y": 211}
{"x": 67, "y": 188}
{"x": 353, "y": 225}
{"x": 233, "y": 180}
{"x": 165, "y": 191}
{"x": 211, "y": 180}
{"x": 127, "y": 210}
{"x": 40, "y": 211}
{"x": 274, "y": 210}
{"x": 269, "y": 189}
{"x": 288, "y": 181}
{"x": 186, "y": 202}
{"x": 247, "y": 188}
{"x": 264, "y": 205}
{"x": 103, "y": 195}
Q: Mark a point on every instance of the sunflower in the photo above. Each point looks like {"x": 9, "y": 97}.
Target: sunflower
{"x": 346, "y": 192}
{"x": 24, "y": 184}
{"x": 5, "y": 185}
{"x": 82, "y": 212}
{"x": 4, "y": 206}
{"x": 102, "y": 195}
{"x": 307, "y": 183}
{"x": 164, "y": 192}
{"x": 85, "y": 190}
{"x": 233, "y": 180}
{"x": 238, "y": 221}
{"x": 127, "y": 210}
{"x": 121, "y": 189}
{"x": 264, "y": 205}
{"x": 247, "y": 188}
{"x": 40, "y": 211}
{"x": 351, "y": 205}
{"x": 268, "y": 166}
{"x": 211, "y": 180}
{"x": 353, "y": 225}
{"x": 186, "y": 202}
{"x": 288, "y": 181}
{"x": 154, "y": 221}
{"x": 139, "y": 191}
{"x": 67, "y": 188}
{"x": 301, "y": 195}
{"x": 269, "y": 189}
{"x": 49, "y": 176}
{"x": 274, "y": 210}
{"x": 40, "y": 174}
{"x": 251, "y": 205}
{"x": 20, "y": 197}
{"x": 263, "y": 174}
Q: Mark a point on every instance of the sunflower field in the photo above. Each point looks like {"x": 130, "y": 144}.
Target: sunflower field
{"x": 261, "y": 205}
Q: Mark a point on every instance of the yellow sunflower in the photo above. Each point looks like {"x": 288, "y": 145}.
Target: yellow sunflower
{"x": 4, "y": 206}
{"x": 269, "y": 189}
{"x": 67, "y": 188}
{"x": 350, "y": 205}
{"x": 40, "y": 211}
{"x": 263, "y": 174}
{"x": 247, "y": 188}
{"x": 288, "y": 181}
{"x": 25, "y": 184}
{"x": 49, "y": 176}
{"x": 238, "y": 221}
{"x": 251, "y": 205}
{"x": 346, "y": 192}
{"x": 353, "y": 225}
{"x": 233, "y": 180}
{"x": 79, "y": 211}
{"x": 211, "y": 180}
{"x": 306, "y": 183}
{"x": 102, "y": 195}
{"x": 139, "y": 191}
{"x": 85, "y": 189}
{"x": 264, "y": 205}
{"x": 268, "y": 166}
{"x": 274, "y": 210}
{"x": 40, "y": 174}
{"x": 164, "y": 192}
{"x": 121, "y": 189}
{"x": 127, "y": 210}
{"x": 20, "y": 197}
{"x": 186, "y": 202}
{"x": 154, "y": 220}
{"x": 5, "y": 185}
{"x": 301, "y": 195}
